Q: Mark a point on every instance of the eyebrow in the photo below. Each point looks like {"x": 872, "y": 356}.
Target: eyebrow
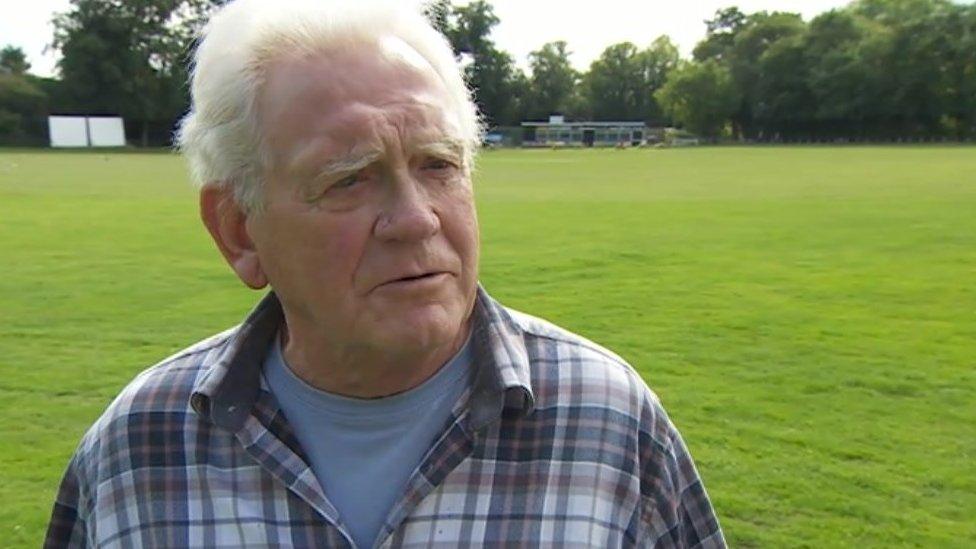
{"x": 448, "y": 146}
{"x": 347, "y": 164}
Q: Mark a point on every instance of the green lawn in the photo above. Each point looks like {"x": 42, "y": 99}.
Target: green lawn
{"x": 807, "y": 315}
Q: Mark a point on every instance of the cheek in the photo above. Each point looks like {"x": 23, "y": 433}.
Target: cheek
{"x": 317, "y": 249}
{"x": 461, "y": 226}
{"x": 343, "y": 243}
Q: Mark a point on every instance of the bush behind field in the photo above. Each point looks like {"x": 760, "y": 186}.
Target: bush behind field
{"x": 807, "y": 315}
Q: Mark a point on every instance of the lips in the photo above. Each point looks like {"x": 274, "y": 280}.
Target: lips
{"x": 416, "y": 277}
{"x": 419, "y": 279}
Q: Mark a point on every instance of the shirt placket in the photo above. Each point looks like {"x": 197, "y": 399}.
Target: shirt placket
{"x": 477, "y": 408}
{"x": 456, "y": 445}
{"x": 264, "y": 437}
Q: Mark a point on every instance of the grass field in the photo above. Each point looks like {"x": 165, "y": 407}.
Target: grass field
{"x": 807, "y": 315}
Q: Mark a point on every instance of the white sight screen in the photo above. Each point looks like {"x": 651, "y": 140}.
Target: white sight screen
{"x": 68, "y": 131}
{"x": 105, "y": 131}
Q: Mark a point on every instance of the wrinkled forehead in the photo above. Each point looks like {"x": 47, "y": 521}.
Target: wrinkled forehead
{"x": 340, "y": 96}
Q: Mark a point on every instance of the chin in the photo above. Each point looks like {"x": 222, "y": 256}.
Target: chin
{"x": 420, "y": 329}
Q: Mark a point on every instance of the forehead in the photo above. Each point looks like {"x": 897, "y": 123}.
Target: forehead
{"x": 347, "y": 98}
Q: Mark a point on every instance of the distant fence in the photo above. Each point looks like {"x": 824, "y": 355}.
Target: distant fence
{"x": 20, "y": 130}
{"x": 510, "y": 138}
{"x": 862, "y": 140}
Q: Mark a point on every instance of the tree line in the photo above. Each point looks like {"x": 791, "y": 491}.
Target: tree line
{"x": 122, "y": 58}
{"x": 873, "y": 70}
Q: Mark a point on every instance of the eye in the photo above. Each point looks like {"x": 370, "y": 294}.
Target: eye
{"x": 438, "y": 164}
{"x": 346, "y": 182}
{"x": 338, "y": 188}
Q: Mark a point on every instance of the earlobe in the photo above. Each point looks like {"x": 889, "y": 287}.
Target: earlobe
{"x": 227, "y": 223}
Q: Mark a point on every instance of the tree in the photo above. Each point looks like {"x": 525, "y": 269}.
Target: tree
{"x": 767, "y": 85}
{"x": 472, "y": 27}
{"x": 620, "y": 84}
{"x": 760, "y": 31}
{"x": 785, "y": 103}
{"x": 438, "y": 12}
{"x": 23, "y": 100}
{"x": 22, "y": 108}
{"x": 842, "y": 53}
{"x": 14, "y": 60}
{"x": 918, "y": 62}
{"x": 700, "y": 96}
{"x": 610, "y": 84}
{"x": 499, "y": 87}
{"x": 553, "y": 81}
{"x": 720, "y": 36}
{"x": 655, "y": 64}
{"x": 961, "y": 91}
{"x": 128, "y": 58}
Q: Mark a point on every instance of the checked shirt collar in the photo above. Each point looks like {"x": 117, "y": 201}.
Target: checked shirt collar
{"x": 232, "y": 395}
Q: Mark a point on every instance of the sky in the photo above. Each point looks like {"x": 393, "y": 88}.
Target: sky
{"x": 588, "y": 27}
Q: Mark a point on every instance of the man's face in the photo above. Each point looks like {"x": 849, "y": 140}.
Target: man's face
{"x": 369, "y": 232}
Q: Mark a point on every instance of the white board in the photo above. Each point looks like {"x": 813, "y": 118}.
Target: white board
{"x": 106, "y": 131}
{"x": 68, "y": 131}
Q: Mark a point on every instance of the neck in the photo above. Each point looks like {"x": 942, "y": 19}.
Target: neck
{"x": 362, "y": 371}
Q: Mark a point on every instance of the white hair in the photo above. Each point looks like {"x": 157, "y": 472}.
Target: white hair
{"x": 220, "y": 136}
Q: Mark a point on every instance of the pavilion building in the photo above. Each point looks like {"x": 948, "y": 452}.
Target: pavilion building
{"x": 558, "y": 132}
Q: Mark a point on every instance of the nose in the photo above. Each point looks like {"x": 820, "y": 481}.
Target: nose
{"x": 408, "y": 212}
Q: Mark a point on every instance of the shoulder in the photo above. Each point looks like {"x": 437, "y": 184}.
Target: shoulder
{"x": 148, "y": 427}
{"x": 568, "y": 369}
{"x": 163, "y": 386}
{"x": 536, "y": 328}
{"x": 558, "y": 354}
{"x": 155, "y": 402}
{"x": 603, "y": 403}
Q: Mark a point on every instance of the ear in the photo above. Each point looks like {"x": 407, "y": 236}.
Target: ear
{"x": 227, "y": 223}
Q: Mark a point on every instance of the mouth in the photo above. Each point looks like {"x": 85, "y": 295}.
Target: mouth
{"x": 422, "y": 280}
{"x": 417, "y": 277}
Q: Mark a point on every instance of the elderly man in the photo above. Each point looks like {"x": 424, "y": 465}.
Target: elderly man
{"x": 377, "y": 396}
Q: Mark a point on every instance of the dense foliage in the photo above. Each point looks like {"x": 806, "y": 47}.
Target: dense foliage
{"x": 877, "y": 69}
{"x": 126, "y": 58}
{"x": 874, "y": 70}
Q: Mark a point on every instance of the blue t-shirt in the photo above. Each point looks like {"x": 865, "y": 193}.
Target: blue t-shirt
{"x": 363, "y": 451}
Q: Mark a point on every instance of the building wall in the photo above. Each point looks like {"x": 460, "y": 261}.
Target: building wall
{"x": 549, "y": 135}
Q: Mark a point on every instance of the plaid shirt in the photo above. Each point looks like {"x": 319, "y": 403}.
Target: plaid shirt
{"x": 558, "y": 442}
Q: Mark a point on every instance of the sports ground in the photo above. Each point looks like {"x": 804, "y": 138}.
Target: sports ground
{"x": 807, "y": 315}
